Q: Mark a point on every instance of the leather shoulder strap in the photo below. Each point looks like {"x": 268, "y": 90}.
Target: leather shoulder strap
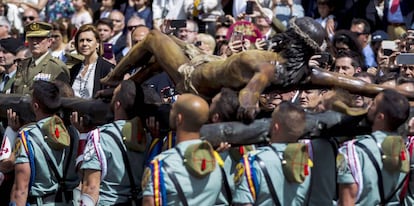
{"x": 177, "y": 186}
{"x": 134, "y": 189}
{"x": 268, "y": 181}
{"x": 51, "y": 165}
{"x": 377, "y": 169}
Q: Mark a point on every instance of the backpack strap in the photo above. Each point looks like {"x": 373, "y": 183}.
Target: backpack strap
{"x": 177, "y": 186}
{"x": 134, "y": 188}
{"x": 268, "y": 181}
{"x": 377, "y": 169}
{"x": 226, "y": 184}
{"x": 51, "y": 164}
{"x": 226, "y": 189}
{"x": 68, "y": 160}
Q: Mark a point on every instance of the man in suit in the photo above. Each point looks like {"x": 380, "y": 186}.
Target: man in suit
{"x": 8, "y": 50}
{"x": 42, "y": 66}
{"x": 119, "y": 38}
{"x": 400, "y": 16}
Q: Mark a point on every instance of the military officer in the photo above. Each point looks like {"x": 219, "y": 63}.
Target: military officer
{"x": 262, "y": 176}
{"x": 112, "y": 165}
{"x": 39, "y": 152}
{"x": 42, "y": 66}
{"x": 187, "y": 174}
{"x": 366, "y": 173}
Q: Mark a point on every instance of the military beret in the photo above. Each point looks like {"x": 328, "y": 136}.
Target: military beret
{"x": 38, "y": 29}
{"x": 10, "y": 45}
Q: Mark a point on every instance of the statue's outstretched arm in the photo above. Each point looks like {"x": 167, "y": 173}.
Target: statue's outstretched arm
{"x": 166, "y": 52}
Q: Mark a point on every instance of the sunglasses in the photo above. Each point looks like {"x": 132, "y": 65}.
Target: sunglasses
{"x": 359, "y": 33}
{"x": 25, "y": 18}
{"x": 130, "y": 28}
{"x": 220, "y": 36}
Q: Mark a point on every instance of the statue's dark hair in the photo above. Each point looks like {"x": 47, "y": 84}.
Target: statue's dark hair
{"x": 297, "y": 49}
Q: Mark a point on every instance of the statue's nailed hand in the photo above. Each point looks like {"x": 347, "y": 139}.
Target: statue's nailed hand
{"x": 249, "y": 105}
{"x": 247, "y": 114}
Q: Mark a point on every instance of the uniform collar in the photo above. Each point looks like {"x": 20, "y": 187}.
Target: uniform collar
{"x": 40, "y": 59}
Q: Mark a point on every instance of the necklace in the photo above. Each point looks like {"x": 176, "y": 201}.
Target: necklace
{"x": 83, "y": 91}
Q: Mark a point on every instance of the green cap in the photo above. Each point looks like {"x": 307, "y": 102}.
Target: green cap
{"x": 38, "y": 29}
{"x": 199, "y": 159}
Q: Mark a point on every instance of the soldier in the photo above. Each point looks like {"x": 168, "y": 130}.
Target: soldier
{"x": 263, "y": 176}
{"x": 39, "y": 152}
{"x": 112, "y": 164}
{"x": 42, "y": 66}
{"x": 187, "y": 174}
{"x": 366, "y": 175}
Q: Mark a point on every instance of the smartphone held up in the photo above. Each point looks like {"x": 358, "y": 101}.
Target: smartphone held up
{"x": 108, "y": 51}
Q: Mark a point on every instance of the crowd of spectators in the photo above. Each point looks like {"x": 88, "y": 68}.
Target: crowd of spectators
{"x": 370, "y": 40}
{"x": 222, "y": 27}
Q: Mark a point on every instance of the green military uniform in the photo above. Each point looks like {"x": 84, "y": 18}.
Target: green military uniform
{"x": 44, "y": 67}
{"x": 367, "y": 181}
{"x": 197, "y": 191}
{"x": 251, "y": 184}
{"x": 45, "y": 185}
{"x": 102, "y": 153}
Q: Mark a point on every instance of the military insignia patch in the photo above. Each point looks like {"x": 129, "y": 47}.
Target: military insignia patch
{"x": 146, "y": 177}
{"x": 16, "y": 149}
{"x": 89, "y": 151}
{"x": 34, "y": 27}
{"x": 239, "y": 173}
{"x": 341, "y": 163}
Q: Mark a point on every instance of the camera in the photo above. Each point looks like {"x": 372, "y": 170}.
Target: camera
{"x": 168, "y": 92}
{"x": 325, "y": 59}
{"x": 224, "y": 20}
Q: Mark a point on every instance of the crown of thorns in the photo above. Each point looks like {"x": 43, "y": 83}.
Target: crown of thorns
{"x": 308, "y": 40}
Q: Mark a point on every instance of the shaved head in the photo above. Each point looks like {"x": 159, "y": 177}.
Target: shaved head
{"x": 189, "y": 113}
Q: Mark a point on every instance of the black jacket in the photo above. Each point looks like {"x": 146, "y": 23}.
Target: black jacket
{"x": 103, "y": 67}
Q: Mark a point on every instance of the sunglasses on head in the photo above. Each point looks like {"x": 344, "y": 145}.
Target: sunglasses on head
{"x": 31, "y": 18}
